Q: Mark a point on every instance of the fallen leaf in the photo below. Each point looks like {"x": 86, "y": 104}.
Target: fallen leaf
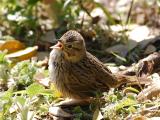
{"x": 152, "y": 91}
{"x": 124, "y": 103}
{"x": 23, "y": 54}
{"x": 40, "y": 78}
{"x": 148, "y": 65}
{"x": 11, "y": 46}
{"x": 130, "y": 89}
{"x": 145, "y": 68}
{"x": 155, "y": 118}
{"x": 140, "y": 118}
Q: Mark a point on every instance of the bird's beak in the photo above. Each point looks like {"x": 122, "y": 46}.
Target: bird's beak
{"x": 59, "y": 45}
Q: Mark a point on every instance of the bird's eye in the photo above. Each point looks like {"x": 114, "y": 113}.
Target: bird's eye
{"x": 69, "y": 46}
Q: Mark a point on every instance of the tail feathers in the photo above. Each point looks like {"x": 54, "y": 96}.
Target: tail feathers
{"x": 131, "y": 80}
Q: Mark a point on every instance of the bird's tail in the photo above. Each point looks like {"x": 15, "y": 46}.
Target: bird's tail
{"x": 131, "y": 80}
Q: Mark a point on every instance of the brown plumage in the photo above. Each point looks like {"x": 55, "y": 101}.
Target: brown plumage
{"x": 77, "y": 73}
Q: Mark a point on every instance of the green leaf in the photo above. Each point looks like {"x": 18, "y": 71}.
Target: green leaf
{"x": 2, "y": 55}
{"x": 6, "y": 101}
{"x": 34, "y": 89}
{"x": 125, "y": 103}
{"x": 113, "y": 98}
{"x": 1, "y": 115}
{"x": 79, "y": 112}
{"x": 32, "y": 2}
{"x": 66, "y": 3}
{"x": 119, "y": 57}
{"x": 21, "y": 100}
{"x": 43, "y": 92}
{"x": 8, "y": 94}
{"x": 77, "y": 109}
{"x": 20, "y": 92}
{"x": 132, "y": 109}
{"x": 47, "y": 92}
{"x": 131, "y": 89}
{"x": 23, "y": 73}
{"x": 6, "y": 107}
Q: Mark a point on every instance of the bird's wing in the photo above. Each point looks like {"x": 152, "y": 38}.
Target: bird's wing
{"x": 103, "y": 74}
{"x": 88, "y": 76}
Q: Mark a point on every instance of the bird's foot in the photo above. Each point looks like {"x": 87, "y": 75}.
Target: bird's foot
{"x": 71, "y": 102}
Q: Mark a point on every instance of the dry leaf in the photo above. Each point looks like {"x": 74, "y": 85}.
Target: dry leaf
{"x": 139, "y": 118}
{"x": 12, "y": 46}
{"x": 97, "y": 115}
{"x": 148, "y": 65}
{"x": 153, "y": 90}
{"x": 155, "y": 118}
{"x": 144, "y": 67}
{"x": 23, "y": 54}
{"x": 40, "y": 78}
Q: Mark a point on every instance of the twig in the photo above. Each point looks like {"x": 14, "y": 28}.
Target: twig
{"x": 83, "y": 8}
{"x": 82, "y": 20}
{"x": 129, "y": 13}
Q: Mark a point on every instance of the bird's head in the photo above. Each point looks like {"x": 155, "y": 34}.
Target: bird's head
{"x": 72, "y": 45}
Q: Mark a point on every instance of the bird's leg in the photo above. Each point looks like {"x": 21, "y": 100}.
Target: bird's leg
{"x": 70, "y": 102}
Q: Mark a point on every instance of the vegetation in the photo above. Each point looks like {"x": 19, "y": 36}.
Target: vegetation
{"x": 24, "y": 93}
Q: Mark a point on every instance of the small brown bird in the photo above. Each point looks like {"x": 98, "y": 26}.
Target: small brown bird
{"x": 77, "y": 73}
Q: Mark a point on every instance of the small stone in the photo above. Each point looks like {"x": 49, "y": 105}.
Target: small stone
{"x": 121, "y": 49}
{"x": 113, "y": 69}
{"x": 155, "y": 118}
{"x": 57, "y": 111}
{"x": 122, "y": 67}
{"x": 139, "y": 34}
